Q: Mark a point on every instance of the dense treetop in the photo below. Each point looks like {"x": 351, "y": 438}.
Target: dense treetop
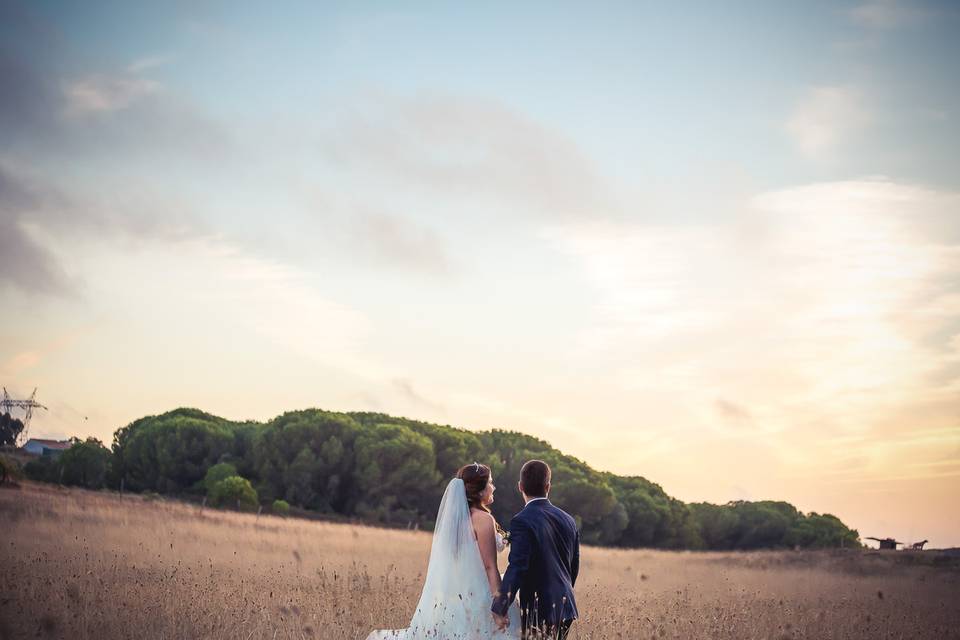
{"x": 390, "y": 470}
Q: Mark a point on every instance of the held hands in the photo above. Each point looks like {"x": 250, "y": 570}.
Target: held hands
{"x": 502, "y": 622}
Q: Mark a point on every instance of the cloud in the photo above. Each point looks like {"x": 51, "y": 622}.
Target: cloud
{"x": 827, "y": 118}
{"x": 207, "y": 294}
{"x": 278, "y": 302}
{"x": 25, "y": 360}
{"x": 399, "y": 242}
{"x": 824, "y": 308}
{"x": 735, "y": 420}
{"x": 24, "y": 262}
{"x": 732, "y": 411}
{"x": 103, "y": 113}
{"x": 18, "y": 363}
{"x": 38, "y": 218}
{"x": 105, "y": 94}
{"x": 405, "y": 387}
{"x": 888, "y": 14}
{"x": 28, "y": 99}
{"x": 464, "y": 148}
{"x": 148, "y": 62}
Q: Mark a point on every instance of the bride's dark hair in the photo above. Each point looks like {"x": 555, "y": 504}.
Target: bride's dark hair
{"x": 475, "y": 478}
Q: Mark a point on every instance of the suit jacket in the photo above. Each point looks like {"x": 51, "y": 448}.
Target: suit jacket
{"x": 544, "y": 563}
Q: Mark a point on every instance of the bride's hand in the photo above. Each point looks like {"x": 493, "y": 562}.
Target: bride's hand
{"x": 502, "y": 622}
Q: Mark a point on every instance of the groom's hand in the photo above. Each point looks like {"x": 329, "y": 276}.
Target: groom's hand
{"x": 502, "y": 622}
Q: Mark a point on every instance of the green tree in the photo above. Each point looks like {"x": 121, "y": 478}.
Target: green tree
{"x": 613, "y": 525}
{"x": 647, "y": 510}
{"x": 588, "y": 499}
{"x": 10, "y": 429}
{"x": 763, "y": 525}
{"x": 171, "y": 452}
{"x": 453, "y": 447}
{"x": 719, "y": 525}
{"x": 320, "y": 478}
{"x": 394, "y": 465}
{"x": 215, "y": 474}
{"x": 85, "y": 464}
{"x": 234, "y": 492}
{"x": 505, "y": 452}
{"x": 280, "y": 507}
{"x": 42, "y": 469}
{"x": 815, "y": 531}
{"x": 300, "y": 478}
{"x": 244, "y": 442}
{"x": 389, "y": 469}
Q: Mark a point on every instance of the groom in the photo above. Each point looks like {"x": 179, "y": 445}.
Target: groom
{"x": 544, "y": 561}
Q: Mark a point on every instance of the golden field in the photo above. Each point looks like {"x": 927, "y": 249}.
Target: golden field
{"x": 80, "y": 565}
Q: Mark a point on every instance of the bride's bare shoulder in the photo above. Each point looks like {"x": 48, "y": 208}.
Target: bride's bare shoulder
{"x": 482, "y": 520}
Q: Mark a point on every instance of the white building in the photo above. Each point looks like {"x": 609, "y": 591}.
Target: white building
{"x": 41, "y": 447}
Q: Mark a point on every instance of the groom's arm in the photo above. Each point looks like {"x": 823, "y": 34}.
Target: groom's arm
{"x": 521, "y": 542}
{"x": 575, "y": 562}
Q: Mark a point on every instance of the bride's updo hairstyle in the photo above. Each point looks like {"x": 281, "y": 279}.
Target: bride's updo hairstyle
{"x": 475, "y": 478}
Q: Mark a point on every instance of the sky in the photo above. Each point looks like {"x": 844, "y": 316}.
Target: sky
{"x": 713, "y": 244}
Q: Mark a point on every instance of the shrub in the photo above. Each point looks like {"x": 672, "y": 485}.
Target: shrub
{"x": 9, "y": 470}
{"x": 280, "y": 507}
{"x": 234, "y": 491}
{"x": 216, "y": 473}
{"x": 44, "y": 469}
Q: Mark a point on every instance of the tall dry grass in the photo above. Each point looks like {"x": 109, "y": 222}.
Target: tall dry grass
{"x": 87, "y": 565}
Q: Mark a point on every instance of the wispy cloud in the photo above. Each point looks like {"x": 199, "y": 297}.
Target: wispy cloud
{"x": 814, "y": 309}
{"x": 278, "y": 301}
{"x": 14, "y": 366}
{"x": 406, "y": 389}
{"x": 30, "y": 100}
{"x": 398, "y": 242}
{"x": 104, "y": 94}
{"x": 19, "y": 362}
{"x": 38, "y": 216}
{"x": 116, "y": 113}
{"x": 149, "y": 62}
{"x": 826, "y": 118}
{"x": 888, "y": 14}
{"x": 735, "y": 420}
{"x": 25, "y": 263}
{"x": 469, "y": 148}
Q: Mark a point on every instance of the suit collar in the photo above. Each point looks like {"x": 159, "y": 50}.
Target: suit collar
{"x": 537, "y": 502}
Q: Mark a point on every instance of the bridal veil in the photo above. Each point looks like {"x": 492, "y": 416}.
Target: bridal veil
{"x": 455, "y": 602}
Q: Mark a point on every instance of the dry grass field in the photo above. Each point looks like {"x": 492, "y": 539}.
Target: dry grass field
{"x": 86, "y": 565}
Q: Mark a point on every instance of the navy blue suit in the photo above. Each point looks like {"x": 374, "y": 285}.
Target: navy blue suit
{"x": 544, "y": 563}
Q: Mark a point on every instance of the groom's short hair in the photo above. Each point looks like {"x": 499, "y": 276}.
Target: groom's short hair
{"x": 535, "y": 478}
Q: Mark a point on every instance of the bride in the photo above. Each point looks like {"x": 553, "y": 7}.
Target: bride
{"x": 462, "y": 574}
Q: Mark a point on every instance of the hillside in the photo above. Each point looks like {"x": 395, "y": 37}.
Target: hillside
{"x": 383, "y": 469}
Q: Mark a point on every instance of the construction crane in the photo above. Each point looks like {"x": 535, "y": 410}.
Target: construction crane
{"x": 8, "y": 404}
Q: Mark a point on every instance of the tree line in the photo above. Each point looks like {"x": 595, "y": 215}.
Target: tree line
{"x": 388, "y": 470}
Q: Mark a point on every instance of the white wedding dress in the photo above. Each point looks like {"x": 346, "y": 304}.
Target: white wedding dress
{"x": 456, "y": 598}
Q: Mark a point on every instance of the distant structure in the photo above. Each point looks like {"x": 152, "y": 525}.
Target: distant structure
{"x": 887, "y": 543}
{"x": 918, "y": 546}
{"x": 49, "y": 448}
{"x": 8, "y": 404}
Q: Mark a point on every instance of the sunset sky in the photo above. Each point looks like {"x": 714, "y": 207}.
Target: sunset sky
{"x": 716, "y": 244}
